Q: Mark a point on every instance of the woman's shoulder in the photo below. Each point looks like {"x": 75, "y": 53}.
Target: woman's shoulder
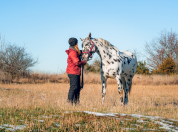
{"x": 72, "y": 52}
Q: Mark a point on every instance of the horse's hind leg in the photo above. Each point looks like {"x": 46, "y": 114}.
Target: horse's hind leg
{"x": 103, "y": 80}
{"x": 120, "y": 89}
{"x": 126, "y": 89}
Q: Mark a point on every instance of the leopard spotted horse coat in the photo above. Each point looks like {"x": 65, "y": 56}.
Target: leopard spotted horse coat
{"x": 119, "y": 65}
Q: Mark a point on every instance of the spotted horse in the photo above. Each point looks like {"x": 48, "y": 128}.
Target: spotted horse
{"x": 119, "y": 65}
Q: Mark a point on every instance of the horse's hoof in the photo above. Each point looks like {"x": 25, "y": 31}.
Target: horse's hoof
{"x": 102, "y": 102}
{"x": 125, "y": 102}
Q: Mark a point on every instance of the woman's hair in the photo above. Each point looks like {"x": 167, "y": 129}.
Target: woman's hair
{"x": 77, "y": 49}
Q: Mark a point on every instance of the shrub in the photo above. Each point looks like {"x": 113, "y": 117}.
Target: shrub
{"x": 167, "y": 67}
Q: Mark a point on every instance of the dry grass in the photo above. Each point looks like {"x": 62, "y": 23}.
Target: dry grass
{"x": 89, "y": 78}
{"x": 155, "y": 79}
{"x": 29, "y": 102}
{"x": 161, "y": 100}
{"x": 92, "y": 78}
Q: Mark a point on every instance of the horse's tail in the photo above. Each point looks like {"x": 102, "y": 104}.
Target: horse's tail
{"x": 134, "y": 62}
{"x": 130, "y": 87}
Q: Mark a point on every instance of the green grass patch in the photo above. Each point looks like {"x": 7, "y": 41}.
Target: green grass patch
{"x": 40, "y": 119}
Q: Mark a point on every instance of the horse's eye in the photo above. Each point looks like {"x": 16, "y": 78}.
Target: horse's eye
{"x": 82, "y": 45}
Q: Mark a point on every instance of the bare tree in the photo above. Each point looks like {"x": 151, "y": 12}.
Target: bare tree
{"x": 137, "y": 53}
{"x": 2, "y": 45}
{"x": 166, "y": 46}
{"x": 15, "y": 60}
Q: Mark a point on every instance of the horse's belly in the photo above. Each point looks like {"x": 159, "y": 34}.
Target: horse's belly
{"x": 110, "y": 71}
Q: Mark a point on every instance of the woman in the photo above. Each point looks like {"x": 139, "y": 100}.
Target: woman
{"x": 74, "y": 70}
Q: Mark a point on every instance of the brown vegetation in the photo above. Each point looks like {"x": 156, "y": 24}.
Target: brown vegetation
{"x": 90, "y": 78}
{"x": 158, "y": 100}
{"x": 167, "y": 67}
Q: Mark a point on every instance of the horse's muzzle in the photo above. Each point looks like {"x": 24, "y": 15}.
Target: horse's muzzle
{"x": 84, "y": 57}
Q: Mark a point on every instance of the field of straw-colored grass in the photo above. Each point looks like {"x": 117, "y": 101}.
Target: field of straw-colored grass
{"x": 93, "y": 78}
{"x": 160, "y": 100}
{"x": 152, "y": 96}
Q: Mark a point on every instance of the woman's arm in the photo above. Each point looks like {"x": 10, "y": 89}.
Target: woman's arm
{"x": 75, "y": 59}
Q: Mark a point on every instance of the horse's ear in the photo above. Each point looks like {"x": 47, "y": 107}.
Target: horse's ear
{"x": 89, "y": 36}
{"x": 82, "y": 39}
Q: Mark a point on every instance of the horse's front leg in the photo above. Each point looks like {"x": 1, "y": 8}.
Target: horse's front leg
{"x": 103, "y": 80}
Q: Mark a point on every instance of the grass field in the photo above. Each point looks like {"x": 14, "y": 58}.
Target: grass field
{"x": 29, "y": 107}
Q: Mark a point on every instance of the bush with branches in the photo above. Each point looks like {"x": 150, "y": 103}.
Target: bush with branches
{"x": 166, "y": 46}
{"x": 141, "y": 68}
{"x": 94, "y": 67}
{"x": 167, "y": 67}
{"x": 15, "y": 61}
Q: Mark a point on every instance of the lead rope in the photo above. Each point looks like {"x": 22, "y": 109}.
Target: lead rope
{"x": 81, "y": 84}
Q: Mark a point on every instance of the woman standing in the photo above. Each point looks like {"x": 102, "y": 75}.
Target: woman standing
{"x": 74, "y": 70}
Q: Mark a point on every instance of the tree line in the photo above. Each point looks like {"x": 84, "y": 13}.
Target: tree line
{"x": 161, "y": 58}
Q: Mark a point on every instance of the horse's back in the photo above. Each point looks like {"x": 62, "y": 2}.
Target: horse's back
{"x": 127, "y": 53}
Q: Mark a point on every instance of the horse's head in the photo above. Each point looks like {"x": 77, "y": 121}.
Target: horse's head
{"x": 88, "y": 48}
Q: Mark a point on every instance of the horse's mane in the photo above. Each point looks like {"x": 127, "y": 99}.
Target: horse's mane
{"x": 105, "y": 42}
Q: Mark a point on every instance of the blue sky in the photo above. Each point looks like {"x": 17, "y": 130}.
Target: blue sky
{"x": 44, "y": 26}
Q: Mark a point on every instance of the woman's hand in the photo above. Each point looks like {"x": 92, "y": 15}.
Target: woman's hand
{"x": 80, "y": 63}
{"x": 83, "y": 62}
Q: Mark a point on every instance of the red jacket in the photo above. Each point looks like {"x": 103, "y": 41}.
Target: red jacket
{"x": 74, "y": 62}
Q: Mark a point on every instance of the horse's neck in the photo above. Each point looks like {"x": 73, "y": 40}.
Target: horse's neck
{"x": 102, "y": 51}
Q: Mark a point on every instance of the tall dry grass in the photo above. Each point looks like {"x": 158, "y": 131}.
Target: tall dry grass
{"x": 32, "y": 78}
{"x": 93, "y": 78}
{"x": 159, "y": 100}
{"x": 89, "y": 78}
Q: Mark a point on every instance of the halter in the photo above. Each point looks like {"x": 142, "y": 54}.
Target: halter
{"x": 90, "y": 55}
